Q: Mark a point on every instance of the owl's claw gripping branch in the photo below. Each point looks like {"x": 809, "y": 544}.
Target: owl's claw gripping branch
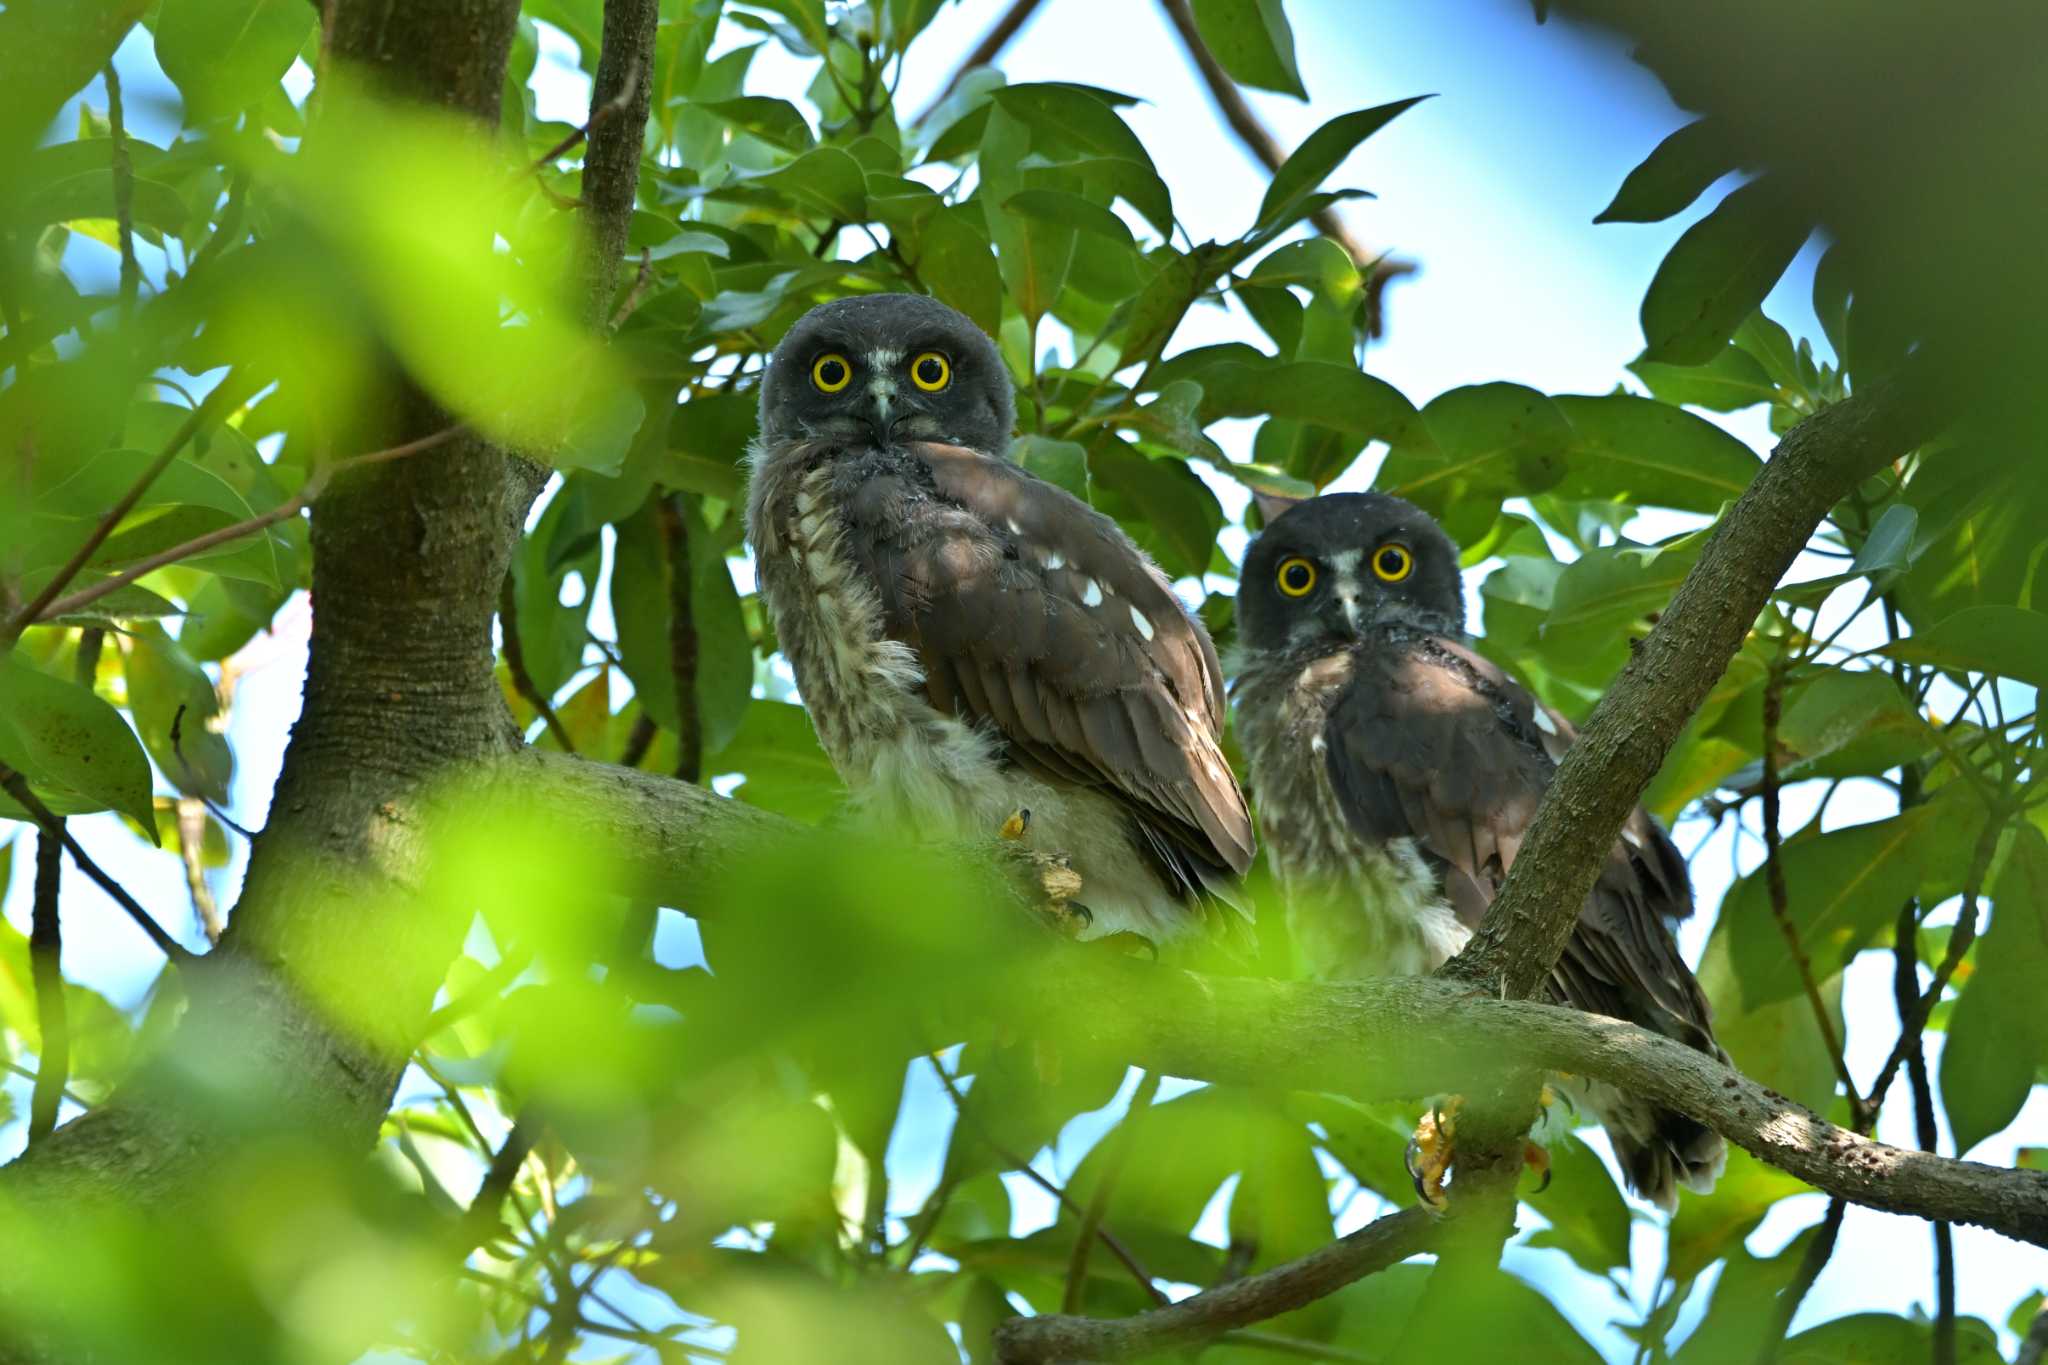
{"x": 1432, "y": 1150}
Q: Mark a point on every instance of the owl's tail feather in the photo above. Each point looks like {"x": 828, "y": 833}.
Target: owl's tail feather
{"x": 1677, "y": 1151}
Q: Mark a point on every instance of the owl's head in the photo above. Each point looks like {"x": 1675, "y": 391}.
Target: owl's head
{"x": 877, "y": 368}
{"x": 1330, "y": 568}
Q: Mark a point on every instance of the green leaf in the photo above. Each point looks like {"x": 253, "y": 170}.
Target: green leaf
{"x": 640, "y": 611}
{"x": 225, "y": 55}
{"x": 74, "y": 749}
{"x": 1032, "y": 255}
{"x": 1731, "y": 381}
{"x": 1842, "y": 888}
{"x": 1078, "y": 119}
{"x": 1163, "y": 504}
{"x": 776, "y": 122}
{"x": 1337, "y": 396}
{"x": 1252, "y": 41}
{"x": 1320, "y": 154}
{"x": 1068, "y": 210}
{"x": 725, "y": 653}
{"x": 1064, "y": 463}
{"x": 1718, "y": 273}
{"x": 1707, "y": 1226}
{"x": 162, "y": 681}
{"x": 1736, "y": 1330}
{"x": 1606, "y": 592}
{"x": 1998, "y": 1035}
{"x": 1588, "y": 1219}
{"x": 1886, "y": 1339}
{"x": 1890, "y": 542}
{"x": 824, "y": 180}
{"x": 1646, "y": 452}
{"x": 90, "y": 194}
{"x": 1849, "y": 723}
{"x": 1677, "y": 172}
{"x": 2010, "y": 642}
{"x": 1780, "y": 1044}
{"x": 1489, "y": 442}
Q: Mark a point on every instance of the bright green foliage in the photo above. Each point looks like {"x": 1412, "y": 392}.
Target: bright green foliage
{"x": 718, "y": 1142}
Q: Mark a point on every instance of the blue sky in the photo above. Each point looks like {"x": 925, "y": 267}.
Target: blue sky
{"x": 1492, "y": 187}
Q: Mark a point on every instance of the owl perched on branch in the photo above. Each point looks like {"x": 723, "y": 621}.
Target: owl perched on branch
{"x": 1397, "y": 772}
{"x": 979, "y": 650}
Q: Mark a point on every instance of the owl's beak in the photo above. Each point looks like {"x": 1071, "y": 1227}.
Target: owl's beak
{"x": 881, "y": 418}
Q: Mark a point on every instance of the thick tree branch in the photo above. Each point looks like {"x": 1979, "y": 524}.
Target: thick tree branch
{"x": 1397, "y": 1038}
{"x": 619, "y": 98}
{"x": 1640, "y": 716}
{"x": 1284, "y": 1288}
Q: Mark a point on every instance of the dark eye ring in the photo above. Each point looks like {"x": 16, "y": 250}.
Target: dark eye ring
{"x": 1296, "y": 576}
{"x": 1392, "y": 562}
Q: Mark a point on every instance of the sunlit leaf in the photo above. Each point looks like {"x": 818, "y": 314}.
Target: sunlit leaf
{"x": 1252, "y": 41}
{"x": 1718, "y": 273}
{"x": 73, "y": 748}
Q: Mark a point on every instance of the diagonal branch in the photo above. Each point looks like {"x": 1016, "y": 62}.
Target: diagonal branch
{"x": 1640, "y": 716}
{"x": 1284, "y": 1288}
{"x": 16, "y": 786}
{"x": 1384, "y": 1039}
{"x": 1380, "y": 268}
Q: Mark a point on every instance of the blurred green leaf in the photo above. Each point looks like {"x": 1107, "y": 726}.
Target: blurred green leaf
{"x": 224, "y": 54}
{"x": 1729, "y": 382}
{"x": 1588, "y": 1219}
{"x": 73, "y": 748}
{"x": 163, "y": 681}
{"x": 1884, "y": 1339}
{"x": 774, "y": 121}
{"x": 1252, "y": 41}
{"x": 1718, "y": 272}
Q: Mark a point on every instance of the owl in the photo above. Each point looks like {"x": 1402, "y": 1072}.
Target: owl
{"x": 979, "y": 650}
{"x": 1397, "y": 772}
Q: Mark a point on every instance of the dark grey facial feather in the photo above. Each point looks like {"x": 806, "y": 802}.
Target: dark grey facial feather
{"x": 1340, "y": 535}
{"x": 880, "y": 337}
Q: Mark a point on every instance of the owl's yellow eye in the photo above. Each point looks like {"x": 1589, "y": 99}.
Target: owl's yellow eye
{"x": 831, "y": 373}
{"x": 1296, "y": 576}
{"x": 931, "y": 372}
{"x": 1392, "y": 562}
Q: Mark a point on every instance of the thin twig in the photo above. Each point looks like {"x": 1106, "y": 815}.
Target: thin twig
{"x": 1121, "y": 1143}
{"x": 1906, "y": 994}
{"x": 46, "y": 951}
{"x": 192, "y": 811}
{"x": 1959, "y": 940}
{"x": 1786, "y": 1306}
{"x": 611, "y": 108}
{"x": 1029, "y": 1172}
{"x": 1379, "y": 268}
{"x": 315, "y": 485}
{"x": 672, "y": 515}
{"x": 1774, "y": 879}
{"x": 16, "y": 786}
{"x": 192, "y": 778}
{"x": 987, "y": 50}
{"x": 124, "y": 192}
{"x": 41, "y": 606}
{"x": 638, "y": 740}
{"x": 515, "y": 665}
{"x": 498, "y": 976}
{"x": 29, "y": 1075}
{"x": 1384, "y": 1242}
{"x": 631, "y": 303}
{"x": 484, "y": 1219}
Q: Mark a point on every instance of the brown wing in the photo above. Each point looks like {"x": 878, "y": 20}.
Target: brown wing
{"x": 1432, "y": 742}
{"x": 1036, "y": 614}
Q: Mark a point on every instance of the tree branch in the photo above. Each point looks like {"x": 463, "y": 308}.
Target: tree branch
{"x": 16, "y": 786}
{"x": 45, "y": 949}
{"x": 672, "y": 516}
{"x": 987, "y": 50}
{"x": 619, "y": 97}
{"x": 1374, "y": 1247}
{"x": 1640, "y": 716}
{"x": 515, "y": 666}
{"x": 1380, "y": 269}
{"x": 1383, "y": 1039}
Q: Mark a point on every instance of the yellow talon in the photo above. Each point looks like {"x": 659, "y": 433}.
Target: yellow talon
{"x": 1017, "y": 825}
{"x": 1432, "y": 1150}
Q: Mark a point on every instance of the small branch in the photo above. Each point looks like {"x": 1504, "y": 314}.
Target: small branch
{"x": 1379, "y": 268}
{"x": 600, "y": 112}
{"x": 1906, "y": 992}
{"x": 16, "y": 786}
{"x": 46, "y": 602}
{"x": 515, "y": 665}
{"x": 1774, "y": 880}
{"x": 124, "y": 192}
{"x": 987, "y": 50}
{"x": 672, "y": 515}
{"x": 192, "y": 812}
{"x": 1786, "y": 1306}
{"x": 642, "y": 279}
{"x": 1105, "y": 1185}
{"x": 619, "y": 93}
{"x": 1030, "y": 1172}
{"x": 315, "y": 485}
{"x": 638, "y": 741}
{"x": 1669, "y": 674}
{"x": 1388, "y": 1241}
{"x": 1959, "y": 940}
{"x": 484, "y": 1219}
{"x": 46, "y": 950}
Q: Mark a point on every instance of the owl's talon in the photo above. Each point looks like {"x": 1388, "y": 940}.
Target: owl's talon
{"x": 1017, "y": 825}
{"x": 1537, "y": 1158}
{"x": 1432, "y": 1150}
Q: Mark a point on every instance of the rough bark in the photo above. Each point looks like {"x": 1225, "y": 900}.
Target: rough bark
{"x": 1641, "y": 714}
